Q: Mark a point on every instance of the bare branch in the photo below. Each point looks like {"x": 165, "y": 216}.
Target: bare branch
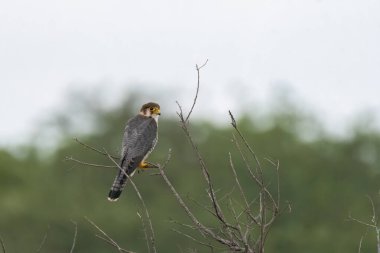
{"x": 152, "y": 238}
{"x": 238, "y": 183}
{"x": 144, "y": 230}
{"x": 111, "y": 243}
{"x": 43, "y": 240}
{"x": 361, "y": 222}
{"x": 241, "y": 236}
{"x": 94, "y": 149}
{"x": 196, "y": 94}
{"x": 262, "y": 222}
{"x": 258, "y": 180}
{"x": 206, "y": 175}
{"x": 372, "y": 224}
{"x": 2, "y": 244}
{"x": 247, "y": 145}
{"x": 361, "y": 241}
{"x": 278, "y": 184}
{"x": 202, "y": 206}
{"x": 195, "y": 240}
{"x": 374, "y": 217}
{"x": 201, "y": 228}
{"x": 265, "y": 219}
{"x": 75, "y": 236}
{"x": 277, "y": 167}
{"x": 185, "y": 225}
{"x": 107, "y": 237}
{"x": 70, "y": 158}
{"x": 205, "y": 172}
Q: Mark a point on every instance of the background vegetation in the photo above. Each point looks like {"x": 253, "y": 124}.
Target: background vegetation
{"x": 323, "y": 177}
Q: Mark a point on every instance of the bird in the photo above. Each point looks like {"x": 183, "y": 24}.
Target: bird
{"x": 140, "y": 138}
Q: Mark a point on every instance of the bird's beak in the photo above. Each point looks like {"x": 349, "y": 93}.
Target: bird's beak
{"x": 158, "y": 112}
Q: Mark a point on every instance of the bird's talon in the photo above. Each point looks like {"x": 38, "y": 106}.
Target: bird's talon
{"x": 147, "y": 165}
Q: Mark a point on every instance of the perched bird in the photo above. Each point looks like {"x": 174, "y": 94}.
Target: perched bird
{"x": 140, "y": 137}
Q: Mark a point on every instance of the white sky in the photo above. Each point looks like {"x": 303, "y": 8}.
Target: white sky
{"x": 327, "y": 50}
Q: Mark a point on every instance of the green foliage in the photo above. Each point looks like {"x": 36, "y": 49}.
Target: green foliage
{"x": 324, "y": 180}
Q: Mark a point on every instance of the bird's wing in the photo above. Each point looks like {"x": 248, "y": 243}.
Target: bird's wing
{"x": 139, "y": 137}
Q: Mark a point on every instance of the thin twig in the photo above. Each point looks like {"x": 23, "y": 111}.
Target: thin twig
{"x": 361, "y": 222}
{"x": 43, "y": 240}
{"x": 201, "y": 206}
{"x": 277, "y": 167}
{"x": 263, "y": 218}
{"x": 194, "y": 239}
{"x": 94, "y": 149}
{"x": 374, "y": 217}
{"x": 111, "y": 243}
{"x": 70, "y": 158}
{"x": 144, "y": 230}
{"x": 242, "y": 237}
{"x": 184, "y": 225}
{"x": 258, "y": 181}
{"x": 238, "y": 183}
{"x": 75, "y": 236}
{"x": 361, "y": 240}
{"x": 205, "y": 172}
{"x": 110, "y": 240}
{"x": 201, "y": 228}
{"x": 278, "y": 184}
{"x": 360, "y": 244}
{"x": 207, "y": 177}
{"x": 2, "y": 244}
{"x": 196, "y": 94}
{"x": 374, "y": 221}
{"x": 234, "y": 124}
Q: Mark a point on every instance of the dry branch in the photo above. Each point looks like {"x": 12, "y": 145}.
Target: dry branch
{"x": 241, "y": 233}
{"x": 75, "y": 236}
{"x": 236, "y": 235}
{"x": 201, "y": 228}
{"x": 107, "y": 238}
{"x": 196, "y": 93}
{"x": 211, "y": 247}
{"x": 2, "y": 244}
{"x": 70, "y": 158}
{"x": 43, "y": 240}
{"x": 145, "y": 231}
{"x": 152, "y": 237}
{"x": 372, "y": 224}
{"x": 94, "y": 149}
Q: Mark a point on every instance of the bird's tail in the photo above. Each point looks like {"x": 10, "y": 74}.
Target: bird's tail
{"x": 117, "y": 186}
{"x": 120, "y": 181}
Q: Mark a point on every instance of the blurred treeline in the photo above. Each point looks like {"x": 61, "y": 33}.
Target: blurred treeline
{"x": 323, "y": 177}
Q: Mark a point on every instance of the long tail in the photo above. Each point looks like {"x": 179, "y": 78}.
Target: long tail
{"x": 120, "y": 181}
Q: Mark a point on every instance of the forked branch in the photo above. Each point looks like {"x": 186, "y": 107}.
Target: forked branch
{"x": 105, "y": 237}
{"x": 244, "y": 228}
{"x": 372, "y": 224}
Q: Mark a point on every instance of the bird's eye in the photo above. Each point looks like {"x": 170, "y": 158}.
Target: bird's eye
{"x": 151, "y": 108}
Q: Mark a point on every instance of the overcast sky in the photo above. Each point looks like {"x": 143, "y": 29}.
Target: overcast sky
{"x": 327, "y": 51}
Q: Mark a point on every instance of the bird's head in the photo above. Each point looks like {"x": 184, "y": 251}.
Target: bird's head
{"x": 150, "y": 110}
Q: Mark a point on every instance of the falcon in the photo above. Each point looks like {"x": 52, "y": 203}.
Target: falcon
{"x": 140, "y": 138}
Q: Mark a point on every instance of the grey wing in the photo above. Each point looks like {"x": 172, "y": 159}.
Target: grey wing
{"x": 139, "y": 138}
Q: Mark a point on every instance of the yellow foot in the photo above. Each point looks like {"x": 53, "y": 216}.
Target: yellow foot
{"x": 147, "y": 165}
